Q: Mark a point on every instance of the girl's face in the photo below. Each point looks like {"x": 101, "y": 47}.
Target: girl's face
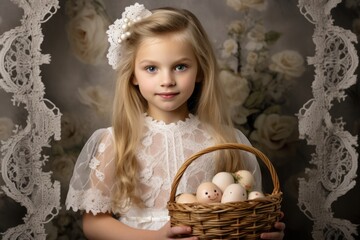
{"x": 165, "y": 71}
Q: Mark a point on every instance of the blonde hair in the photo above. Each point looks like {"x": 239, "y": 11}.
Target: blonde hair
{"x": 207, "y": 101}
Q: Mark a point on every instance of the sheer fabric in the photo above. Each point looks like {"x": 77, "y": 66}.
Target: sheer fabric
{"x": 162, "y": 150}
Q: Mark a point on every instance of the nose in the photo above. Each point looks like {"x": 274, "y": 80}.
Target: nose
{"x": 167, "y": 79}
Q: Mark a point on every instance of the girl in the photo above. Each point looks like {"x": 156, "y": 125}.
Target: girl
{"x": 168, "y": 105}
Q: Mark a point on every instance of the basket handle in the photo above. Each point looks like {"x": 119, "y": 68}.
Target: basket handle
{"x": 247, "y": 148}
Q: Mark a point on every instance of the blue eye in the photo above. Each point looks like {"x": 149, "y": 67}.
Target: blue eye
{"x": 181, "y": 67}
{"x": 151, "y": 69}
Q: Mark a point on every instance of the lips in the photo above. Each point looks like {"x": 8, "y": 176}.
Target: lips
{"x": 167, "y": 95}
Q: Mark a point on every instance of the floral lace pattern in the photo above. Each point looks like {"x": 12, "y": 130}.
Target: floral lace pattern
{"x": 21, "y": 153}
{"x": 335, "y": 159}
{"x": 157, "y": 169}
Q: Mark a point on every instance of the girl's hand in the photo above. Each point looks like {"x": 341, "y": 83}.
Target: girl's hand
{"x": 167, "y": 232}
{"x": 275, "y": 235}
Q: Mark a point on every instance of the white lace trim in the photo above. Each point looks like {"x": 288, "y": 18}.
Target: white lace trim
{"x": 91, "y": 200}
{"x": 335, "y": 161}
{"x": 20, "y": 58}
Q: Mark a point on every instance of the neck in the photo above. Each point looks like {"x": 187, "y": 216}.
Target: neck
{"x": 169, "y": 117}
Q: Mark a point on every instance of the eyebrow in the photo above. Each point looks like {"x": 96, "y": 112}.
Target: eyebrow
{"x": 183, "y": 59}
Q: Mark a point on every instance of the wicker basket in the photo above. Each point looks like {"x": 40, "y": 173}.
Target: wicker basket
{"x": 236, "y": 220}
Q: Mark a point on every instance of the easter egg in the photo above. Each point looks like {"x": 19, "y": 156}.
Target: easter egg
{"x": 245, "y": 178}
{"x": 208, "y": 192}
{"x": 223, "y": 179}
{"x": 255, "y": 194}
{"x": 186, "y": 198}
{"x": 234, "y": 193}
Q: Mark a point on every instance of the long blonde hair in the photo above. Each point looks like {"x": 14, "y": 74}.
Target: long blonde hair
{"x": 207, "y": 101}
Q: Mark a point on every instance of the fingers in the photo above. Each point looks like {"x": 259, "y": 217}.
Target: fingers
{"x": 275, "y": 235}
{"x": 179, "y": 230}
{"x": 173, "y": 232}
{"x": 280, "y": 226}
{"x": 272, "y": 235}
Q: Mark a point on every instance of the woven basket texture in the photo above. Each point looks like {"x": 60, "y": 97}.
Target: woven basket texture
{"x": 235, "y": 220}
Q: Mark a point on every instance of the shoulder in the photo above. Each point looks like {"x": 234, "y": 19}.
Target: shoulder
{"x": 102, "y": 134}
{"x": 241, "y": 138}
{"x": 102, "y": 138}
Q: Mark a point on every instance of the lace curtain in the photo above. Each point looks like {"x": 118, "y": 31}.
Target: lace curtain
{"x": 334, "y": 163}
{"x": 21, "y": 154}
{"x": 335, "y": 159}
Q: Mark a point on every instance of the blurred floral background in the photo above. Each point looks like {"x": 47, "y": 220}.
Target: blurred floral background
{"x": 262, "y": 47}
{"x": 256, "y": 79}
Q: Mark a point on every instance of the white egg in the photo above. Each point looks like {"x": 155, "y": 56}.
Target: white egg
{"x": 234, "y": 193}
{"x": 223, "y": 179}
{"x": 186, "y": 198}
{"x": 255, "y": 194}
{"x": 245, "y": 178}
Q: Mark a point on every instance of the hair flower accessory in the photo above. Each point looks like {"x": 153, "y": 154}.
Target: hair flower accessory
{"x": 119, "y": 31}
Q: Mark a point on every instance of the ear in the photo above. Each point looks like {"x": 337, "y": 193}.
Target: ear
{"x": 134, "y": 81}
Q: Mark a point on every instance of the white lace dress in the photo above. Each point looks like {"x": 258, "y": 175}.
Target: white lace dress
{"x": 163, "y": 149}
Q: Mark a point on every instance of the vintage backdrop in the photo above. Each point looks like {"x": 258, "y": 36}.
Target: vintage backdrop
{"x": 288, "y": 66}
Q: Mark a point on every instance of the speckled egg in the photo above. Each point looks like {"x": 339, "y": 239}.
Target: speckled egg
{"x": 245, "y": 178}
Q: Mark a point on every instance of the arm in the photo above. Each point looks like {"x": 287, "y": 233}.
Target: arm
{"x": 103, "y": 226}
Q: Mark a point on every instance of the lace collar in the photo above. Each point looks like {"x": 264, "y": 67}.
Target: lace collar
{"x": 190, "y": 122}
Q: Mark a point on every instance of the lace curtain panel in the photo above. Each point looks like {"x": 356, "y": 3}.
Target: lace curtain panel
{"x": 333, "y": 164}
{"x": 335, "y": 159}
{"x": 21, "y": 154}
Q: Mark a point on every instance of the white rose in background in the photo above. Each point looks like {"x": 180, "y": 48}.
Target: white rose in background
{"x": 240, "y": 5}
{"x": 6, "y": 127}
{"x": 86, "y": 30}
{"x": 252, "y": 58}
{"x": 256, "y": 38}
{"x": 237, "y": 27}
{"x": 288, "y": 62}
{"x": 97, "y": 98}
{"x": 239, "y": 115}
{"x": 236, "y": 87}
{"x": 274, "y": 131}
{"x": 230, "y": 47}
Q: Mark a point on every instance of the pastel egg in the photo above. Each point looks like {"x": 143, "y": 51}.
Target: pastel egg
{"x": 255, "y": 194}
{"x": 186, "y": 198}
{"x": 234, "y": 193}
{"x": 223, "y": 179}
{"x": 208, "y": 192}
{"x": 245, "y": 178}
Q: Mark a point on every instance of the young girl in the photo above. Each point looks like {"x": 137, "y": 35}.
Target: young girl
{"x": 168, "y": 105}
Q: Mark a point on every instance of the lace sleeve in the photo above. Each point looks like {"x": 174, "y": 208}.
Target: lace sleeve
{"x": 93, "y": 177}
{"x": 250, "y": 161}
